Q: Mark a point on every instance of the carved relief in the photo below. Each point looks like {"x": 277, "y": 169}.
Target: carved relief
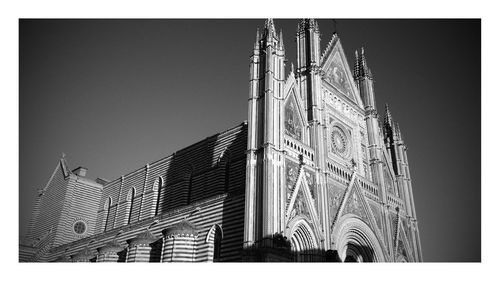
{"x": 300, "y": 207}
{"x": 388, "y": 181}
{"x": 292, "y": 172}
{"x": 293, "y": 125}
{"x": 339, "y": 142}
{"x": 335, "y": 195}
{"x": 354, "y": 206}
{"x": 402, "y": 249}
{"x": 311, "y": 182}
{"x": 337, "y": 76}
{"x": 376, "y": 213}
{"x": 393, "y": 223}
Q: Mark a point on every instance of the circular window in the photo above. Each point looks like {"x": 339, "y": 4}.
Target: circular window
{"x": 339, "y": 142}
{"x": 79, "y": 227}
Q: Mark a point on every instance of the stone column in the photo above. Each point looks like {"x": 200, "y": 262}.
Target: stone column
{"x": 109, "y": 252}
{"x": 139, "y": 249}
{"x": 85, "y": 255}
{"x": 179, "y": 242}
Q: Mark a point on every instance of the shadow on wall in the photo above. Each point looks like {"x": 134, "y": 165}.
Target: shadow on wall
{"x": 212, "y": 167}
{"x": 279, "y": 249}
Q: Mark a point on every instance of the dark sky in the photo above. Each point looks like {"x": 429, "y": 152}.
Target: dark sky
{"x": 117, "y": 94}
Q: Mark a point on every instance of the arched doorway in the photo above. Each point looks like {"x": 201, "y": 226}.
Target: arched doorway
{"x": 303, "y": 241}
{"x": 356, "y": 242}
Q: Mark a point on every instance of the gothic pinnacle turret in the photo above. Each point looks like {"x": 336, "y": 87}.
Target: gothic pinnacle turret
{"x": 257, "y": 40}
{"x": 361, "y": 68}
{"x": 269, "y": 30}
{"x": 356, "y": 64}
{"x": 388, "y": 116}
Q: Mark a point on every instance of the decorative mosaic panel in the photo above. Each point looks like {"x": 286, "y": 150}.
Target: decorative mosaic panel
{"x": 313, "y": 187}
{"x": 376, "y": 213}
{"x": 394, "y": 222}
{"x": 292, "y": 172}
{"x": 337, "y": 76}
{"x": 293, "y": 125}
{"x": 311, "y": 182}
{"x": 354, "y": 206}
{"x": 388, "y": 181}
{"x": 299, "y": 206}
{"x": 402, "y": 250}
{"x": 335, "y": 195}
{"x": 404, "y": 223}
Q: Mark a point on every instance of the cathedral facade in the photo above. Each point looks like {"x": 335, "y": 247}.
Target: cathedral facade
{"x": 313, "y": 175}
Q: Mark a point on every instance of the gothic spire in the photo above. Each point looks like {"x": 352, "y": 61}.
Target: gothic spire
{"x": 397, "y": 131}
{"x": 362, "y": 67}
{"x": 269, "y": 27}
{"x": 356, "y": 64}
{"x": 307, "y": 24}
{"x": 388, "y": 116}
{"x": 257, "y": 39}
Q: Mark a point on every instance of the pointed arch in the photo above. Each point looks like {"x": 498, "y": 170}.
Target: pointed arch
{"x": 130, "y": 204}
{"x": 157, "y": 189}
{"x": 303, "y": 240}
{"x": 214, "y": 240}
{"x": 107, "y": 206}
{"x": 355, "y": 241}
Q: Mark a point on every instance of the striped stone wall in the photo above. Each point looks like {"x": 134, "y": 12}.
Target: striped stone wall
{"x": 213, "y": 166}
{"x": 224, "y": 210}
{"x": 48, "y": 212}
{"x": 81, "y": 202}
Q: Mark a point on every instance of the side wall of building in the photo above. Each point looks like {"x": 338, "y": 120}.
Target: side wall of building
{"x": 211, "y": 167}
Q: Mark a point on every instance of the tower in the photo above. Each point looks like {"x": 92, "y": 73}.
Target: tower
{"x": 326, "y": 179}
{"x": 263, "y": 202}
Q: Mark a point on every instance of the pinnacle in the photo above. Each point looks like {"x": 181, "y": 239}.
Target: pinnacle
{"x": 388, "y": 116}
{"x": 362, "y": 67}
{"x": 270, "y": 25}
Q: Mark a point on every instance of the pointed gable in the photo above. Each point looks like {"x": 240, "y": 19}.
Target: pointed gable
{"x": 357, "y": 204}
{"x": 337, "y": 72}
{"x": 302, "y": 203}
{"x": 335, "y": 196}
{"x": 294, "y": 120}
{"x": 292, "y": 173}
{"x": 354, "y": 205}
{"x": 299, "y": 206}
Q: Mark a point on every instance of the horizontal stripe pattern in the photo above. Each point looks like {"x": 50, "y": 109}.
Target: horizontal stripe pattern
{"x": 225, "y": 210}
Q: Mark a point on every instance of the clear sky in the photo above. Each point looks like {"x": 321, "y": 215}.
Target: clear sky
{"x": 117, "y": 94}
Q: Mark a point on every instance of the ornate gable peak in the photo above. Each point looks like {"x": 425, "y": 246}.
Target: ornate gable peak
{"x": 290, "y": 80}
{"x": 329, "y": 47}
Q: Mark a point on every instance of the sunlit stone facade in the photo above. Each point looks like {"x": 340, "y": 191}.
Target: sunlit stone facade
{"x": 313, "y": 175}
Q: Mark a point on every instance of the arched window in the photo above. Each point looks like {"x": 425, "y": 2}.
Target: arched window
{"x": 107, "y": 206}
{"x": 157, "y": 185}
{"x": 130, "y": 203}
{"x": 217, "y": 244}
{"x": 214, "y": 240}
